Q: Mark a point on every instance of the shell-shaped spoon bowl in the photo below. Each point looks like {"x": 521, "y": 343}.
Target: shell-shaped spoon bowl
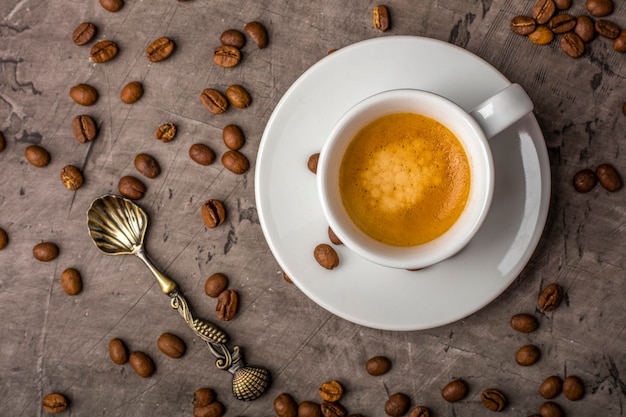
{"x": 116, "y": 225}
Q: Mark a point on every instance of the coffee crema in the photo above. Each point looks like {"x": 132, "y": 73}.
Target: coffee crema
{"x": 404, "y": 179}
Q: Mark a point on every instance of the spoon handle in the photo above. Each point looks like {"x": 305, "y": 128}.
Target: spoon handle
{"x": 166, "y": 284}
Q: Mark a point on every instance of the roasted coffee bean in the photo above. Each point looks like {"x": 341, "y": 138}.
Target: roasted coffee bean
{"x": 84, "y": 33}
{"x": 334, "y": 239}
{"x": 226, "y": 56}
{"x": 131, "y": 187}
{"x": 258, "y": 33}
{"x": 608, "y": 177}
{"x": 213, "y": 213}
{"x": 607, "y": 28}
{"x": 166, "y": 132}
{"x": 4, "y": 239}
{"x": 171, "y": 345}
{"x": 287, "y": 278}
{"x": 37, "y": 156}
{"x": 573, "y": 388}
{"x": 71, "y": 177}
{"x": 227, "y": 303}
{"x": 551, "y": 387}
{"x": 201, "y": 154}
{"x": 236, "y": 162}
{"x": 45, "y": 251}
{"x": 312, "y": 162}
{"x": 619, "y": 44}
{"x": 71, "y": 281}
{"x": 215, "y": 284}
{"x": 84, "y": 128}
{"x": 309, "y": 409}
{"x": 380, "y": 18}
{"x": 285, "y": 405}
{"x": 378, "y": 365}
{"x": 330, "y": 391}
{"x": 103, "y": 51}
{"x": 562, "y": 23}
{"x": 527, "y": 355}
{"x": 326, "y": 256}
{"x": 524, "y": 323}
{"x": 585, "y": 28}
{"x": 214, "y": 409}
{"x": 118, "y": 351}
{"x": 233, "y": 37}
{"x": 599, "y": 8}
{"x": 541, "y": 36}
{"x": 160, "y": 49}
{"x": 84, "y": 94}
{"x": 397, "y": 405}
{"x": 523, "y": 25}
{"x": 584, "y": 180}
{"x": 563, "y": 4}
{"x": 147, "y": 166}
{"x": 333, "y": 409}
{"x": 233, "y": 137}
{"x": 112, "y": 5}
{"x": 238, "y": 96}
{"x": 142, "y": 364}
{"x": 54, "y": 403}
{"x": 131, "y": 92}
{"x": 203, "y": 397}
{"x": 419, "y": 411}
{"x": 214, "y": 101}
{"x": 572, "y": 45}
{"x": 2, "y": 142}
{"x": 551, "y": 409}
{"x": 493, "y": 399}
{"x": 455, "y": 390}
{"x": 550, "y": 298}
{"x": 543, "y": 11}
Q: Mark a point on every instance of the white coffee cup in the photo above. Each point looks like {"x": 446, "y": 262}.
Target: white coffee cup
{"x": 473, "y": 129}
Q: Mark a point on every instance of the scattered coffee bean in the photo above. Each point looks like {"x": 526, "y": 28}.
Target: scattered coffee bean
{"x": 378, "y": 365}
{"x": 455, "y": 390}
{"x": 493, "y": 399}
{"x": 608, "y": 177}
{"x": 4, "y": 239}
{"x": 523, "y": 25}
{"x": 543, "y": 11}
{"x": 573, "y": 388}
{"x": 2, "y": 142}
{"x": 166, "y": 132}
{"x": 607, "y": 28}
{"x": 131, "y": 92}
{"x": 226, "y": 56}
{"x": 103, "y": 51}
{"x": 238, "y": 96}
{"x": 84, "y": 94}
{"x": 287, "y": 278}
{"x": 524, "y": 323}
{"x": 142, "y": 364}
{"x": 118, "y": 351}
{"x": 71, "y": 177}
{"x": 397, "y": 405}
{"x": 333, "y": 409}
{"x": 551, "y": 387}
{"x": 541, "y": 36}
{"x": 380, "y": 18}
{"x": 147, "y": 166}
{"x": 37, "y": 156}
{"x": 551, "y": 409}
{"x": 215, "y": 284}
{"x": 330, "y": 391}
{"x": 309, "y": 409}
{"x": 233, "y": 37}
{"x": 235, "y": 162}
{"x": 419, "y": 411}
{"x": 160, "y": 49}
{"x": 332, "y": 51}
{"x": 213, "y": 213}
{"x": 201, "y": 154}
{"x": 572, "y": 45}
{"x": 131, "y": 187}
{"x": 333, "y": 237}
{"x": 312, "y": 162}
{"x": 214, "y": 101}
{"x": 584, "y": 180}
{"x": 550, "y": 298}
{"x": 214, "y": 409}
{"x": 54, "y": 403}
{"x": 257, "y": 33}
{"x": 527, "y": 355}
{"x": 619, "y": 44}
{"x": 171, "y": 345}
{"x": 45, "y": 251}
{"x": 203, "y": 397}
{"x": 562, "y": 23}
{"x": 285, "y": 405}
{"x": 326, "y": 256}
{"x": 84, "y": 33}
{"x": 84, "y": 128}
{"x": 585, "y": 28}
{"x": 227, "y": 303}
{"x": 233, "y": 137}
{"x": 563, "y": 4}
{"x": 599, "y": 8}
{"x": 112, "y": 5}
{"x": 71, "y": 281}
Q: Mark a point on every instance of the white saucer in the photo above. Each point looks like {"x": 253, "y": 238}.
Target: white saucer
{"x": 358, "y": 290}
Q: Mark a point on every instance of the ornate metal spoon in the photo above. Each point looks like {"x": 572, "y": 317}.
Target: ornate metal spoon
{"x": 117, "y": 227}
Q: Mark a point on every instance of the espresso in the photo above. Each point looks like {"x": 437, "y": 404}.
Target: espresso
{"x": 404, "y": 179}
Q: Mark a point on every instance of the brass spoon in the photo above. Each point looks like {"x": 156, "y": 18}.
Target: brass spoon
{"x": 117, "y": 227}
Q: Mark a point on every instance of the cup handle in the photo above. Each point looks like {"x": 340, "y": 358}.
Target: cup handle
{"x": 502, "y": 110}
